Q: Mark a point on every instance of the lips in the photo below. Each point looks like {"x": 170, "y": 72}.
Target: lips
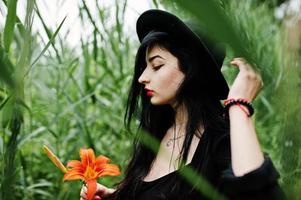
{"x": 149, "y": 92}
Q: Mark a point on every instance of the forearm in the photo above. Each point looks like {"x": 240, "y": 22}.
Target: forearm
{"x": 246, "y": 154}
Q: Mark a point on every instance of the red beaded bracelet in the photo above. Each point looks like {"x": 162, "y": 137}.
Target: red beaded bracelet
{"x": 243, "y": 104}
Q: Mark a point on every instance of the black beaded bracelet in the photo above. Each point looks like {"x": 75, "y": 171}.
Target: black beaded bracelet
{"x": 230, "y": 102}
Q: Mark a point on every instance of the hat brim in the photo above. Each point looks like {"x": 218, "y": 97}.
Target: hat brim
{"x": 164, "y": 21}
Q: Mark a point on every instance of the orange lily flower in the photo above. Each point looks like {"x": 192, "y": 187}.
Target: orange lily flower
{"x": 89, "y": 169}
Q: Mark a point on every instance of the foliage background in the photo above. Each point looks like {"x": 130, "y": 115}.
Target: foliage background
{"x": 71, "y": 97}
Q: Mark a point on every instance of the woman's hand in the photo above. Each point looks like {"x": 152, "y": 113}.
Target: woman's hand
{"x": 101, "y": 192}
{"x": 247, "y": 83}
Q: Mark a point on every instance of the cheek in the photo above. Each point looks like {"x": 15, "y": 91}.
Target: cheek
{"x": 171, "y": 82}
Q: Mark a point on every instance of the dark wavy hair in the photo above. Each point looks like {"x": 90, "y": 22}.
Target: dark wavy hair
{"x": 193, "y": 92}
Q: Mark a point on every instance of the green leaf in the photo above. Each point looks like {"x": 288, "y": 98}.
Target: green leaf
{"x": 6, "y": 68}
{"x": 49, "y": 34}
{"x": 10, "y": 24}
{"x": 47, "y": 45}
{"x": 4, "y": 102}
{"x": 217, "y": 23}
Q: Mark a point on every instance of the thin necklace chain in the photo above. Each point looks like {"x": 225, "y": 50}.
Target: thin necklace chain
{"x": 171, "y": 140}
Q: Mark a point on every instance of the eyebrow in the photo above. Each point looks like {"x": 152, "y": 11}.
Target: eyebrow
{"x": 152, "y": 58}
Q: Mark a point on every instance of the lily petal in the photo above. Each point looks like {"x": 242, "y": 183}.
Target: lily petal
{"x": 72, "y": 175}
{"x": 101, "y": 160}
{"x": 75, "y": 164}
{"x": 109, "y": 170}
{"x": 91, "y": 186}
{"x": 76, "y": 171}
{"x": 87, "y": 156}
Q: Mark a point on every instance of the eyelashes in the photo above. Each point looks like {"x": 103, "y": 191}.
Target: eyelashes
{"x": 157, "y": 67}
{"x": 154, "y": 68}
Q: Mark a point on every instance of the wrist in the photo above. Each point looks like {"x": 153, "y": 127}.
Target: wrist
{"x": 241, "y": 103}
{"x": 238, "y": 110}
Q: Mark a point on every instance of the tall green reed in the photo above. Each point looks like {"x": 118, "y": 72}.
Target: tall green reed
{"x": 12, "y": 110}
{"x": 72, "y": 101}
{"x": 15, "y": 59}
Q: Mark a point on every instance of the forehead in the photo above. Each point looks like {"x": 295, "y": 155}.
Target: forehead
{"x": 156, "y": 50}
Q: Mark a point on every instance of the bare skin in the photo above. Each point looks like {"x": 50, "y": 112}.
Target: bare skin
{"x": 101, "y": 192}
{"x": 167, "y": 158}
{"x": 246, "y": 153}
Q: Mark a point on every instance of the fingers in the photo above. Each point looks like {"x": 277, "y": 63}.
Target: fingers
{"x": 250, "y": 72}
{"x": 248, "y": 81}
{"x": 97, "y": 197}
{"x": 100, "y": 191}
{"x": 83, "y": 193}
{"x": 242, "y": 64}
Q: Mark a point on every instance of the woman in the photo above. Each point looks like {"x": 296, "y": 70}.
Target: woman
{"x": 178, "y": 81}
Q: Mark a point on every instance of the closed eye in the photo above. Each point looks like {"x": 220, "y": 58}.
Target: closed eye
{"x": 157, "y": 67}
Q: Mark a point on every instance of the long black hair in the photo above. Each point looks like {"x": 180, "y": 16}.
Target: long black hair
{"x": 193, "y": 93}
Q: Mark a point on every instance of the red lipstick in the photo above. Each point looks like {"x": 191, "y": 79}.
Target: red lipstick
{"x": 149, "y": 92}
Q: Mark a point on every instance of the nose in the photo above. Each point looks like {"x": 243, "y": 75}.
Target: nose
{"x": 143, "y": 79}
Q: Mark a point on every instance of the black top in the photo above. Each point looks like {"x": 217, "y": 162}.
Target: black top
{"x": 260, "y": 183}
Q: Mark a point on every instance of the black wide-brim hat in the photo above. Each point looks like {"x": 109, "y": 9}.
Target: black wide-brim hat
{"x": 160, "y": 20}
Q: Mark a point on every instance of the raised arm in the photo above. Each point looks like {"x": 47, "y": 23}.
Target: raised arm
{"x": 245, "y": 148}
{"x": 246, "y": 172}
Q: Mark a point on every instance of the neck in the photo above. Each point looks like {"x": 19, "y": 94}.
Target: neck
{"x": 181, "y": 118}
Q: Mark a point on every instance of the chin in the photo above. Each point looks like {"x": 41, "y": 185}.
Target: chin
{"x": 157, "y": 102}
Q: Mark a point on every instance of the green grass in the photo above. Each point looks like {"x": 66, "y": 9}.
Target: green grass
{"x": 72, "y": 98}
